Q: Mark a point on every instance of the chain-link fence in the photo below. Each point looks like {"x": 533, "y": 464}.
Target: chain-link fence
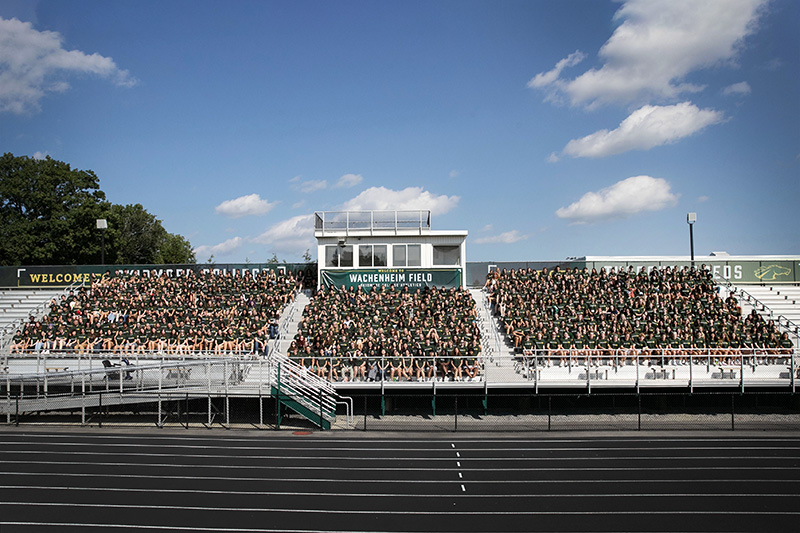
{"x": 453, "y": 411}
{"x": 576, "y": 412}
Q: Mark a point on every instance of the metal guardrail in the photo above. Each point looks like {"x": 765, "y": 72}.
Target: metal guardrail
{"x": 121, "y": 383}
{"x": 347, "y": 221}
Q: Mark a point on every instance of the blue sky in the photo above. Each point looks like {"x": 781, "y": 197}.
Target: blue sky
{"x": 547, "y": 129}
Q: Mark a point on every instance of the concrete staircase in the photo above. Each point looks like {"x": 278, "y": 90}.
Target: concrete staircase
{"x": 500, "y": 362}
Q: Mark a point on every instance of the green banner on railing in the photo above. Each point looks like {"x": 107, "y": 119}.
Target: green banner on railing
{"x": 413, "y": 278}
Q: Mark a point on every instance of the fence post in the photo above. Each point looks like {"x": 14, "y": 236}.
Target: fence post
{"x": 187, "y": 409}
{"x": 733, "y": 412}
{"x": 160, "y": 372}
{"x": 100, "y": 420}
{"x": 16, "y": 417}
{"x": 455, "y": 421}
{"x": 485, "y": 397}
{"x": 8, "y": 396}
{"x": 365, "y": 412}
{"x": 639, "y": 402}
{"x": 321, "y": 419}
{"x": 278, "y": 402}
{"x": 549, "y": 410}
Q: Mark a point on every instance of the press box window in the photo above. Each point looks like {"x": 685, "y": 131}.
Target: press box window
{"x": 446, "y": 255}
{"x": 407, "y": 255}
{"x": 339, "y": 256}
{"x": 372, "y": 255}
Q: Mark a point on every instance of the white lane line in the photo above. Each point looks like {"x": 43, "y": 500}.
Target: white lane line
{"x": 460, "y": 476}
{"x": 388, "y": 512}
{"x": 390, "y": 495}
{"x": 458, "y": 464}
{"x": 458, "y": 454}
{"x": 339, "y": 480}
{"x": 453, "y": 445}
{"x": 306, "y": 458}
{"x": 96, "y": 445}
{"x": 463, "y": 489}
{"x": 51, "y": 525}
{"x": 94, "y": 438}
{"x": 645, "y": 468}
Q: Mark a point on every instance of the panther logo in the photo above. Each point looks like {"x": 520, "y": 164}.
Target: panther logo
{"x": 771, "y": 272}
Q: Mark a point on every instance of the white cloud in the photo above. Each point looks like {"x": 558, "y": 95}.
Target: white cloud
{"x": 296, "y": 234}
{"x": 40, "y": 155}
{"x": 382, "y": 199}
{"x": 623, "y": 199}
{"x": 293, "y": 235}
{"x": 299, "y": 204}
{"x": 310, "y": 185}
{"x": 647, "y": 127}
{"x": 453, "y": 173}
{"x": 702, "y": 199}
{"x": 553, "y": 158}
{"x": 221, "y": 249}
{"x": 252, "y": 204}
{"x": 349, "y": 180}
{"x": 547, "y": 78}
{"x": 658, "y": 43}
{"x": 31, "y": 62}
{"x": 740, "y": 89}
{"x": 509, "y": 237}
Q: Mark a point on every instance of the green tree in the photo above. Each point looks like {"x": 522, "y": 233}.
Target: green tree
{"x": 137, "y": 237}
{"x": 48, "y": 214}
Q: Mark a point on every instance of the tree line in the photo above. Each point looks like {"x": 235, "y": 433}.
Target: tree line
{"x": 49, "y": 213}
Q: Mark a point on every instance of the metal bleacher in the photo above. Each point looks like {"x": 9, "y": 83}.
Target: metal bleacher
{"x": 17, "y": 305}
{"x": 780, "y": 303}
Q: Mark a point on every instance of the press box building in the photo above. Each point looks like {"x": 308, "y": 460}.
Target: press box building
{"x": 374, "y": 248}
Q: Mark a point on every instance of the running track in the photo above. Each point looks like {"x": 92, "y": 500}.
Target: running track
{"x": 224, "y": 481}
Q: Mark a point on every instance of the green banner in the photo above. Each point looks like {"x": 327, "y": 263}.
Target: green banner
{"x": 413, "y": 278}
{"x": 769, "y": 272}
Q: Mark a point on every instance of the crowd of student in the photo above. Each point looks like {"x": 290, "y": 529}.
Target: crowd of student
{"x": 666, "y": 313}
{"x": 389, "y": 333}
{"x": 195, "y": 312}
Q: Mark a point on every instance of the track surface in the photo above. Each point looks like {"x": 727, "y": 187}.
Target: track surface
{"x": 194, "y": 481}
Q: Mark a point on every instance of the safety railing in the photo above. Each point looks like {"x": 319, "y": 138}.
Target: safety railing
{"x": 661, "y": 366}
{"x": 122, "y": 382}
{"x": 313, "y": 392}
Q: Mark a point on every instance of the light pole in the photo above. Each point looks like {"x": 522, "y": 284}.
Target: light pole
{"x": 102, "y": 224}
{"x": 691, "y": 218}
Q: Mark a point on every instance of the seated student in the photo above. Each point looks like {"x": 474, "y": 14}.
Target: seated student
{"x": 457, "y": 366}
{"x": 408, "y": 369}
{"x": 786, "y": 347}
{"x": 420, "y": 365}
{"x": 472, "y": 368}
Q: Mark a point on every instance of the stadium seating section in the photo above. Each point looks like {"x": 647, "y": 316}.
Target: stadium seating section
{"x": 228, "y": 313}
{"x": 666, "y": 313}
{"x": 384, "y": 333}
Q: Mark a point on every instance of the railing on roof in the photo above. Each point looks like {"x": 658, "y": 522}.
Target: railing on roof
{"x": 347, "y": 221}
